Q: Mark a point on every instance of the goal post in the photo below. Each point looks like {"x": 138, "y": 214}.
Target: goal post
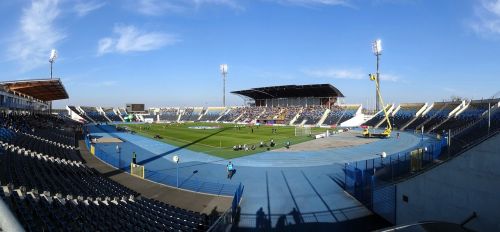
{"x": 302, "y": 131}
{"x": 137, "y": 170}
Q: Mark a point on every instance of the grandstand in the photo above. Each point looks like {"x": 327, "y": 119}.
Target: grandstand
{"x": 111, "y": 115}
{"x": 149, "y": 116}
{"x": 232, "y": 114}
{"x": 436, "y": 113}
{"x": 211, "y": 114}
{"x": 94, "y": 114}
{"x": 404, "y": 113}
{"x": 48, "y": 186}
{"x": 340, "y": 114}
{"x": 311, "y": 115}
{"x": 62, "y": 170}
{"x": 191, "y": 114}
{"x": 169, "y": 114}
{"x": 250, "y": 116}
{"x": 379, "y": 117}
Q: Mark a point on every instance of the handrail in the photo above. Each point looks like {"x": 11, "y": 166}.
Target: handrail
{"x": 465, "y": 149}
{"x": 227, "y": 214}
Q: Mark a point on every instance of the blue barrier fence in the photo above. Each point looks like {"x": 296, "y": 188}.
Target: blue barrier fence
{"x": 236, "y": 199}
{"x": 370, "y": 181}
{"x": 191, "y": 183}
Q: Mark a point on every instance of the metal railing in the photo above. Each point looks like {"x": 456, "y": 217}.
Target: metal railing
{"x": 190, "y": 183}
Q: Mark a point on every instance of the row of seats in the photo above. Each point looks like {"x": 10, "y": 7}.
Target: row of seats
{"x": 405, "y": 114}
{"x": 58, "y": 136}
{"x": 50, "y": 192}
{"x": 44, "y": 146}
{"x": 312, "y": 115}
{"x": 169, "y": 114}
{"x": 476, "y": 130}
{"x": 191, "y": 114}
{"x": 45, "y": 173}
{"x": 212, "y": 114}
{"x": 339, "y": 115}
{"x": 38, "y": 212}
{"x": 471, "y": 114}
{"x": 113, "y": 117}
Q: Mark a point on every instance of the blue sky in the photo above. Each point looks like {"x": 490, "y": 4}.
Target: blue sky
{"x": 167, "y": 52}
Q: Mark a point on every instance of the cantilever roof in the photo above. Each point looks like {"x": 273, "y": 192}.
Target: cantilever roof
{"x": 41, "y": 89}
{"x": 289, "y": 91}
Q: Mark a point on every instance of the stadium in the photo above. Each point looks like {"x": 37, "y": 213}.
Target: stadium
{"x": 277, "y": 157}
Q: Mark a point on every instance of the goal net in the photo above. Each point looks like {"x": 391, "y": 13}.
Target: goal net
{"x": 137, "y": 170}
{"x": 302, "y": 131}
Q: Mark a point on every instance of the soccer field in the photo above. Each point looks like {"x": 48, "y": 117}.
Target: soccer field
{"x": 219, "y": 139}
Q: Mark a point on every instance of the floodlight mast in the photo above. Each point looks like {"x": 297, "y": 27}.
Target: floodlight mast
{"x": 52, "y": 59}
{"x": 377, "y": 51}
{"x": 223, "y": 71}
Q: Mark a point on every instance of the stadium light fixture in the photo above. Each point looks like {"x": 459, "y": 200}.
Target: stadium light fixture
{"x": 223, "y": 71}
{"x": 383, "y": 155}
{"x": 176, "y": 159}
{"x": 377, "y": 47}
{"x": 52, "y": 59}
{"x": 377, "y": 51}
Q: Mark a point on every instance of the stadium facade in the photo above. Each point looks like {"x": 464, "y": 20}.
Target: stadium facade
{"x": 31, "y": 95}
{"x": 291, "y": 95}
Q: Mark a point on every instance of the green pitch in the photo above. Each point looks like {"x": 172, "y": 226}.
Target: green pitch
{"x": 220, "y": 141}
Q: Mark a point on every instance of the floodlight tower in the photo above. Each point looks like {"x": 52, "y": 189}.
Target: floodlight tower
{"x": 377, "y": 51}
{"x": 223, "y": 71}
{"x": 52, "y": 59}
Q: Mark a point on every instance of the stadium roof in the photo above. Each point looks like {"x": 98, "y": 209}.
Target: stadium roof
{"x": 41, "y": 89}
{"x": 289, "y": 91}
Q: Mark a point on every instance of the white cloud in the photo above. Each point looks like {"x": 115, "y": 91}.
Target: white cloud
{"x": 335, "y": 73}
{"x": 37, "y": 35}
{"x": 160, "y": 7}
{"x": 314, "y": 2}
{"x": 389, "y": 77}
{"x": 486, "y": 20}
{"x": 105, "y": 45}
{"x": 354, "y": 74}
{"x": 155, "y": 7}
{"x": 396, "y": 1}
{"x": 130, "y": 39}
{"x": 228, "y": 3}
{"x": 84, "y": 8}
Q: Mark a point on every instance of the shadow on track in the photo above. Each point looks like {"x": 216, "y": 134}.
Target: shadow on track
{"x": 143, "y": 162}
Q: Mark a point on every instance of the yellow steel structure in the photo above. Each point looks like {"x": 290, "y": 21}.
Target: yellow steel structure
{"x": 387, "y": 132}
